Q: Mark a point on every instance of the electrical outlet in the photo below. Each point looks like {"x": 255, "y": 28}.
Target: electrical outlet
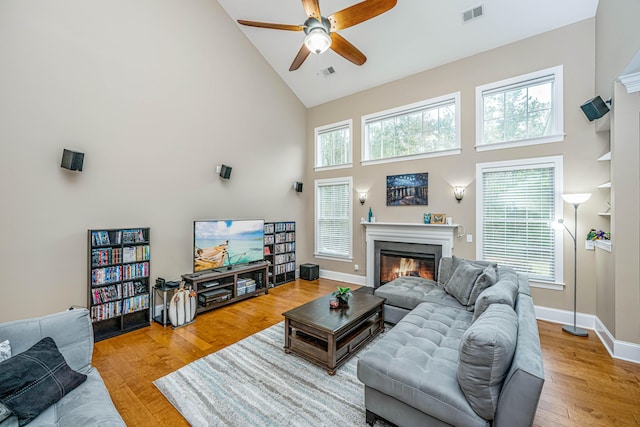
{"x": 356, "y": 267}
{"x": 469, "y": 238}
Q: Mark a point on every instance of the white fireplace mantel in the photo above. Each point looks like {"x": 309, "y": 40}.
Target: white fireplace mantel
{"x": 428, "y": 234}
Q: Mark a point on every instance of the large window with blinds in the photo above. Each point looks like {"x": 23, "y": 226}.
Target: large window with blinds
{"x": 517, "y": 201}
{"x": 333, "y": 218}
{"x": 424, "y": 129}
{"x": 523, "y": 110}
{"x": 333, "y": 145}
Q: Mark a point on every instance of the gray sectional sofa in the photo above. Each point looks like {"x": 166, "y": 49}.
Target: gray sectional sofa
{"x": 465, "y": 350}
{"x": 85, "y": 401}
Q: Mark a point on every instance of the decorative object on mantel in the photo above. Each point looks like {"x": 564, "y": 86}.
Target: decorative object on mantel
{"x": 576, "y": 200}
{"x": 427, "y": 218}
{"x": 342, "y": 295}
{"x": 438, "y": 218}
{"x": 410, "y": 189}
{"x": 458, "y": 192}
{"x": 370, "y": 215}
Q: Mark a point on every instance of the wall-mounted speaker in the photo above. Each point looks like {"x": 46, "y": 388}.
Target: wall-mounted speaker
{"x": 297, "y": 186}
{"x": 594, "y": 108}
{"x": 225, "y": 171}
{"x": 72, "y": 160}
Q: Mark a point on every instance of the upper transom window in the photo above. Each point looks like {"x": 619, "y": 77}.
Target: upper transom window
{"x": 523, "y": 110}
{"x": 425, "y": 129}
{"x": 333, "y": 145}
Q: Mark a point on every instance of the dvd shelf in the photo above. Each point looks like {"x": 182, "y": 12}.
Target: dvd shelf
{"x": 280, "y": 251}
{"x": 119, "y": 271}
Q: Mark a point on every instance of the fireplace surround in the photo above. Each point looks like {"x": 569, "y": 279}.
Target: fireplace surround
{"x": 431, "y": 240}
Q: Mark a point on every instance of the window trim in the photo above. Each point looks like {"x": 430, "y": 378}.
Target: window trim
{"x": 324, "y": 129}
{"x": 433, "y": 102}
{"x": 557, "y": 163}
{"x": 327, "y": 182}
{"x": 558, "y": 109}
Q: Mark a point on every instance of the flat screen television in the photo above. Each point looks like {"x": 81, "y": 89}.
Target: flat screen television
{"x": 227, "y": 243}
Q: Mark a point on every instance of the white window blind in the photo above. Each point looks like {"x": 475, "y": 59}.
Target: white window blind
{"x": 333, "y": 217}
{"x": 333, "y": 144}
{"x": 517, "y": 205}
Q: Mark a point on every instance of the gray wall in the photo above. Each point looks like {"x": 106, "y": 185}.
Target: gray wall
{"x": 571, "y": 46}
{"x": 156, "y": 93}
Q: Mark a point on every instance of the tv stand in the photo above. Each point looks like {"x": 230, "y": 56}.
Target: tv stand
{"x": 217, "y": 288}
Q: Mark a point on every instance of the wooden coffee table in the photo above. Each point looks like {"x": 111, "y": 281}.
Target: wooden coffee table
{"x": 329, "y": 336}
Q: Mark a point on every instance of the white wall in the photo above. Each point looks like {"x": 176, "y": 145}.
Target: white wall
{"x": 156, "y": 93}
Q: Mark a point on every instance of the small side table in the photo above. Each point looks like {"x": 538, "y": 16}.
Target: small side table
{"x": 165, "y": 291}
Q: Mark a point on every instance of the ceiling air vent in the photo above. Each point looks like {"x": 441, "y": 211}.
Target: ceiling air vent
{"x": 327, "y": 71}
{"x": 474, "y": 13}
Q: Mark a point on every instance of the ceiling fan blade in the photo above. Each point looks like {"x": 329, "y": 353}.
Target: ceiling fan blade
{"x": 345, "y": 49}
{"x": 300, "y": 57}
{"x": 311, "y": 8}
{"x": 272, "y": 26}
{"x": 359, "y": 12}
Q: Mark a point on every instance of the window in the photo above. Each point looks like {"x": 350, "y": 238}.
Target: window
{"x": 333, "y": 218}
{"x": 517, "y": 201}
{"x": 425, "y": 129}
{"x": 333, "y": 145}
{"x": 524, "y": 110}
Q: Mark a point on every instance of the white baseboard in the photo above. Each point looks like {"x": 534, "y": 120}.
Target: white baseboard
{"x": 622, "y": 350}
{"x": 343, "y": 277}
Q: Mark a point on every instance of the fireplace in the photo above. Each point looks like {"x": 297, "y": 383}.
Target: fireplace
{"x": 423, "y": 243}
{"x": 398, "y": 259}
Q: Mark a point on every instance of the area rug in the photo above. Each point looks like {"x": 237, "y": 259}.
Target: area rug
{"x": 254, "y": 383}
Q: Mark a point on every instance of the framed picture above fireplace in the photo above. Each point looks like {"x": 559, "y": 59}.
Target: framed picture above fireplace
{"x": 408, "y": 189}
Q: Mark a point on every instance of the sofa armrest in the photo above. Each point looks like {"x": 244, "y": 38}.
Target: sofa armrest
{"x": 71, "y": 330}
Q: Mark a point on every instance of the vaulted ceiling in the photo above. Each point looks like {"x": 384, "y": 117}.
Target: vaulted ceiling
{"x": 414, "y": 36}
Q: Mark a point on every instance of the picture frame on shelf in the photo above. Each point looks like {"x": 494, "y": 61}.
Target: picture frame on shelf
{"x": 438, "y": 218}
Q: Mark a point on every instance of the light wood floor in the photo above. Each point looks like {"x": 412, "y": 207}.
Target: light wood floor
{"x": 584, "y": 386}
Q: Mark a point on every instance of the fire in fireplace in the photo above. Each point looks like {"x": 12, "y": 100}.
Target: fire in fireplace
{"x": 397, "y": 259}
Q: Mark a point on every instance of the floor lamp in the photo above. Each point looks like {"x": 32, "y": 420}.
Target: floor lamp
{"x": 575, "y": 200}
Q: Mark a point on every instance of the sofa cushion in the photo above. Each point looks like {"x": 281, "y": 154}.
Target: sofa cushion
{"x": 486, "y": 352}
{"x": 487, "y": 278}
{"x": 408, "y": 292}
{"x": 33, "y": 380}
{"x": 416, "y": 363}
{"x": 503, "y": 292}
{"x": 5, "y": 353}
{"x": 461, "y": 282}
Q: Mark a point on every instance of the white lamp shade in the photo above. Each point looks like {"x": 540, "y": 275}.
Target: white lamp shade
{"x": 577, "y": 198}
{"x": 317, "y": 41}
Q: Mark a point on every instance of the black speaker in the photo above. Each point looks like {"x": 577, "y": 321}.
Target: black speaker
{"x": 72, "y": 160}
{"x": 298, "y": 187}
{"x": 225, "y": 171}
{"x": 594, "y": 108}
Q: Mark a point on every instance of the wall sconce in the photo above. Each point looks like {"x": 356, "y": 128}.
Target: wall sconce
{"x": 362, "y": 196}
{"x": 458, "y": 192}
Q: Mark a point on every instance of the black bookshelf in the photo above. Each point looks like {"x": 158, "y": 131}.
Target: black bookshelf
{"x": 118, "y": 280}
{"x": 280, "y": 251}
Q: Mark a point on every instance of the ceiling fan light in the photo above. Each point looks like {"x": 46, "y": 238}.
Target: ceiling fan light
{"x": 317, "y": 41}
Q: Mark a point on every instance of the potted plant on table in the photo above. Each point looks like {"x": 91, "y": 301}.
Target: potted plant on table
{"x": 342, "y": 295}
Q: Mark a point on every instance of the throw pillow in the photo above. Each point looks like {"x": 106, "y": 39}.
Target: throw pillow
{"x": 503, "y": 292}
{"x": 484, "y": 280}
{"x": 462, "y": 280}
{"x": 5, "y": 353}
{"x": 486, "y": 353}
{"x": 32, "y": 381}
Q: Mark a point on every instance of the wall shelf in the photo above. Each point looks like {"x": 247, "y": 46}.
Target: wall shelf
{"x": 605, "y": 185}
{"x": 606, "y": 157}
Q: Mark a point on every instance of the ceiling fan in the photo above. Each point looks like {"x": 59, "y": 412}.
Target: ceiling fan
{"x": 321, "y": 31}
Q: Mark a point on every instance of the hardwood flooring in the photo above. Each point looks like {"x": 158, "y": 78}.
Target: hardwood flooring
{"x": 584, "y": 386}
